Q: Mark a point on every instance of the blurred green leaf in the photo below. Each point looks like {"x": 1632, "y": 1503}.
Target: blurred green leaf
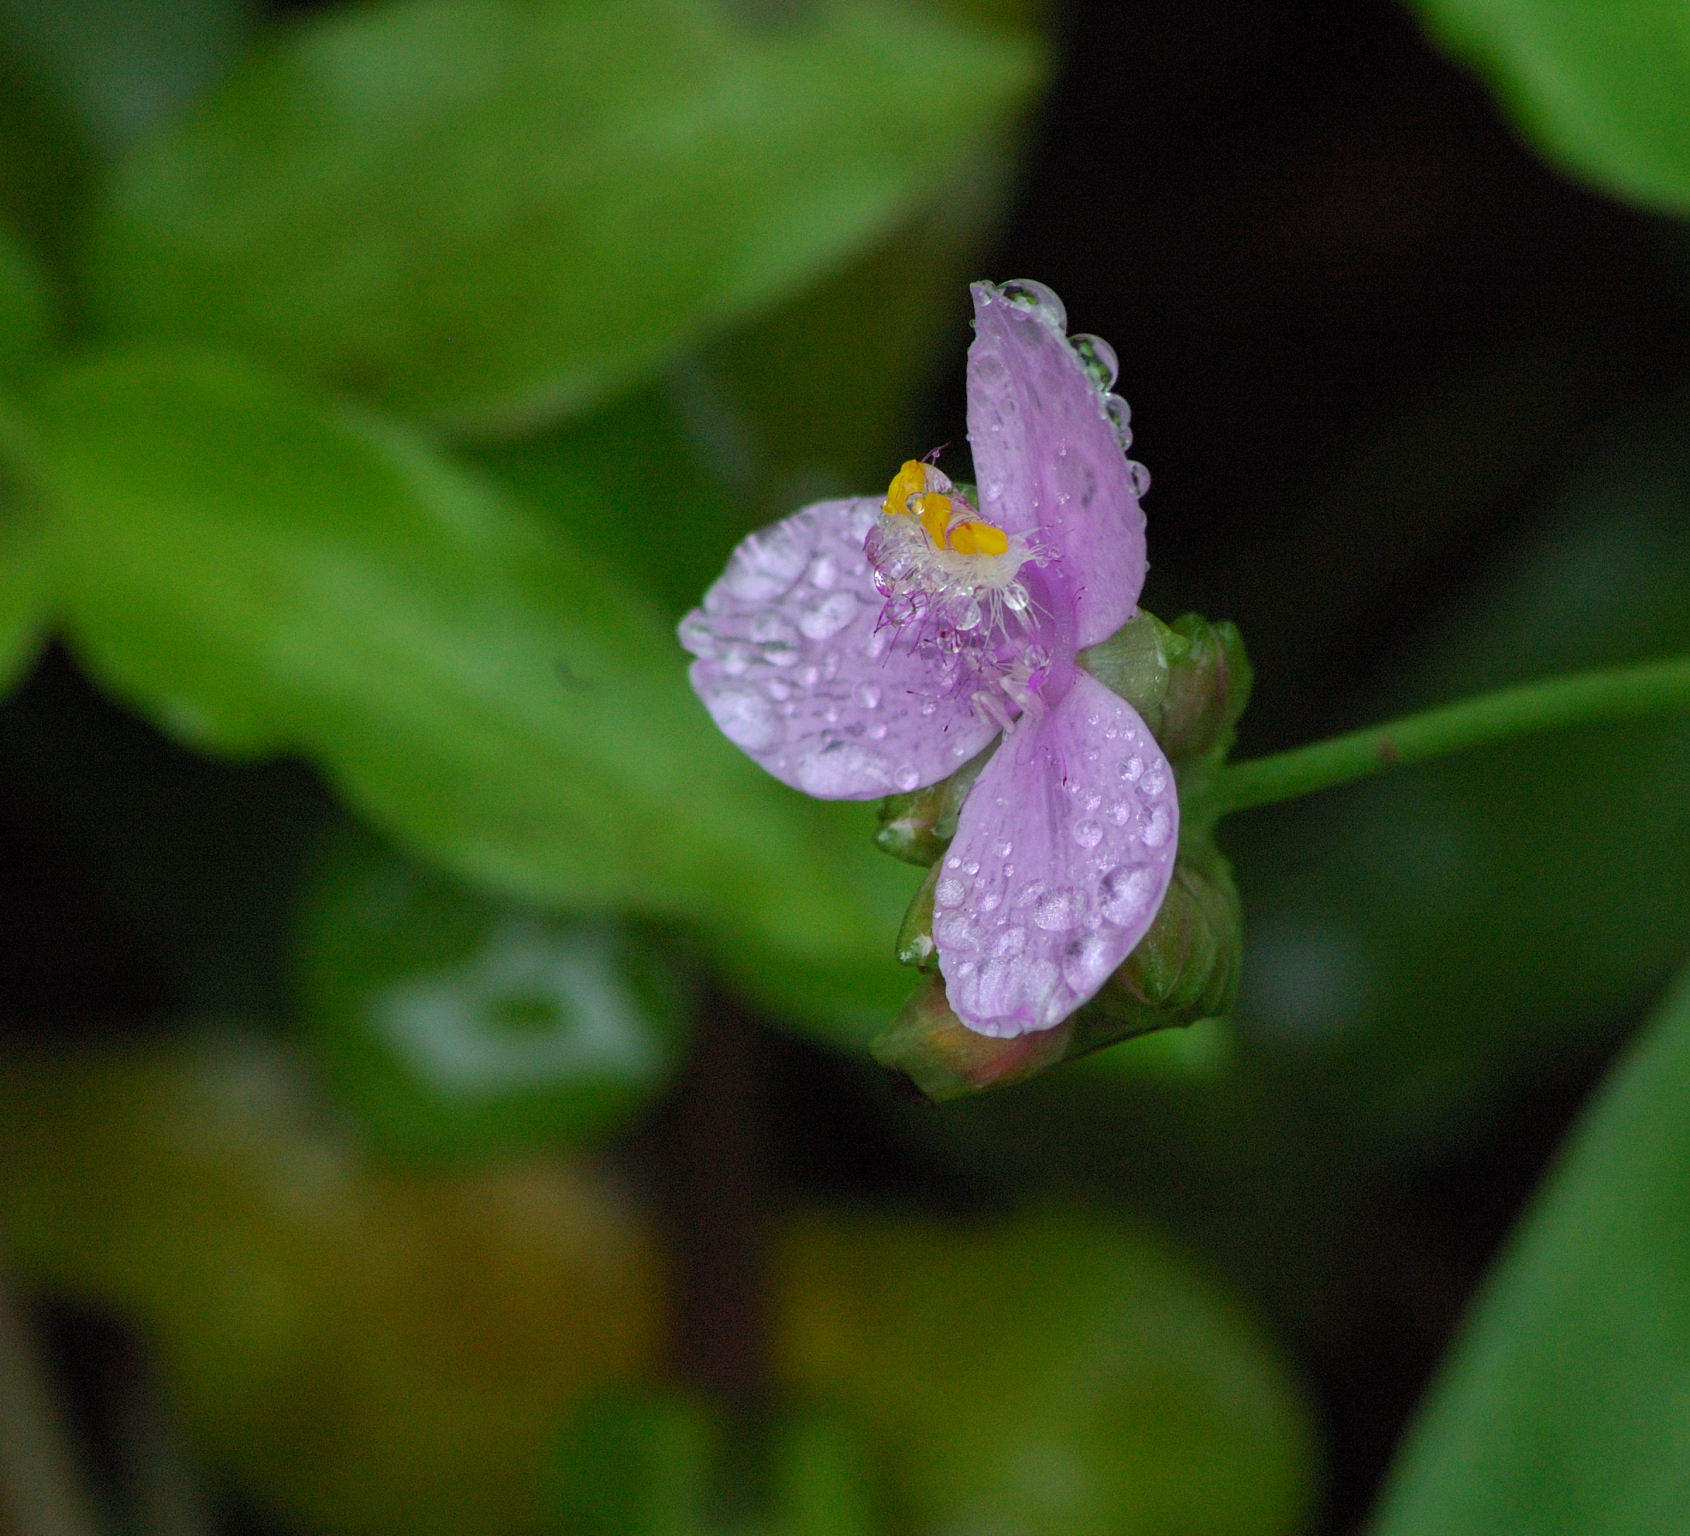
{"x": 1601, "y": 87}
{"x": 609, "y": 479}
{"x": 361, "y": 1352}
{"x": 25, "y": 568}
{"x": 1562, "y": 1407}
{"x": 126, "y": 64}
{"x": 46, "y": 162}
{"x": 1429, "y": 939}
{"x": 1060, "y": 1374}
{"x": 26, "y": 317}
{"x": 489, "y": 212}
{"x": 456, "y": 1026}
{"x": 259, "y": 576}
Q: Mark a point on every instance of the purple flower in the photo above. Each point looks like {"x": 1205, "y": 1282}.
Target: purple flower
{"x": 863, "y": 647}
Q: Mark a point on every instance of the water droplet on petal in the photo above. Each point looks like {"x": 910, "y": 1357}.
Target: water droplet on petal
{"x": 1120, "y": 416}
{"x": 1140, "y": 477}
{"x": 877, "y": 733}
{"x": 949, "y": 892}
{"x": 745, "y": 718}
{"x": 1057, "y": 910}
{"x": 1161, "y": 824}
{"x": 1085, "y": 963}
{"x": 1132, "y": 769}
{"x": 1010, "y": 941}
{"x": 826, "y": 618}
{"x": 971, "y": 615}
{"x": 907, "y": 778}
{"x": 929, "y": 708}
{"x": 1003, "y": 849}
{"x": 1088, "y": 833}
{"x": 1026, "y": 294}
{"x": 1126, "y": 892}
{"x": 1015, "y": 598}
{"x": 1098, "y": 358}
{"x": 824, "y": 571}
{"x": 972, "y": 867}
{"x": 1154, "y": 782}
{"x": 867, "y": 695}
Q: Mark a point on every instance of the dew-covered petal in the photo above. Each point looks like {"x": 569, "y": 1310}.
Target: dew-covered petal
{"x": 1048, "y": 459}
{"x": 1063, "y": 851}
{"x": 797, "y": 670}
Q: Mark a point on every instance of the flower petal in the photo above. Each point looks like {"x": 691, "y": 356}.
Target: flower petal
{"x": 796, "y": 669}
{"x": 1047, "y": 458}
{"x": 1063, "y": 852}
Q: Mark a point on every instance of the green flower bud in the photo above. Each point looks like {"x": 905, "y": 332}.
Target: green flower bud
{"x": 1189, "y": 681}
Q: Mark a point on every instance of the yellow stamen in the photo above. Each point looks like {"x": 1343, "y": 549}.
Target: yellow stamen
{"x": 910, "y": 481}
{"x": 976, "y": 538}
{"x": 908, "y": 493}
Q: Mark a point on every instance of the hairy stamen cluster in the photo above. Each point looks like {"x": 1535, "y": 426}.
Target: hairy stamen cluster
{"x": 952, "y": 581}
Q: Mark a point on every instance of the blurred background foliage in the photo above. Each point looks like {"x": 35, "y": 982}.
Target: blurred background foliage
{"x": 432, "y": 1087}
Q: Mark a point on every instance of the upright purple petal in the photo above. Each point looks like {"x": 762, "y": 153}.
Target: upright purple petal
{"x": 1063, "y": 852}
{"x": 1048, "y": 459}
{"x": 795, "y": 667}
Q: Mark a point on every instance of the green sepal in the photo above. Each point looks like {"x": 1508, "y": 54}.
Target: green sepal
{"x": 907, "y": 823}
{"x": 1189, "y": 681}
{"x": 915, "y": 933}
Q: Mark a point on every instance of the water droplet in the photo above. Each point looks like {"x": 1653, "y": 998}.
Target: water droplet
{"x": 972, "y": 867}
{"x": 782, "y": 655}
{"x": 1088, "y": 833}
{"x": 1037, "y": 656}
{"x": 826, "y": 618}
{"x": 1026, "y": 294}
{"x": 810, "y": 676}
{"x": 1140, "y": 477}
{"x": 1161, "y": 824}
{"x": 778, "y": 689}
{"x": 867, "y": 695}
{"x": 824, "y": 571}
{"x": 907, "y": 778}
{"x": 831, "y": 716}
{"x": 1154, "y": 782}
{"x": 971, "y": 615}
{"x": 949, "y": 892}
{"x": 1098, "y": 358}
{"x": 877, "y": 733}
{"x": 770, "y": 628}
{"x": 1015, "y": 598}
{"x": 765, "y": 565}
{"x": 1057, "y": 910}
{"x": 959, "y": 750}
{"x": 988, "y": 900}
{"x": 1120, "y": 416}
{"x": 1004, "y": 848}
{"x": 1125, "y": 893}
{"x": 929, "y": 708}
{"x": 956, "y": 929}
{"x": 1120, "y": 812}
{"x": 1008, "y": 871}
{"x": 737, "y": 660}
{"x": 1010, "y": 941}
{"x": 745, "y": 718}
{"x": 697, "y": 635}
{"x": 1131, "y": 770}
{"x": 1085, "y": 963}
{"x": 1093, "y": 801}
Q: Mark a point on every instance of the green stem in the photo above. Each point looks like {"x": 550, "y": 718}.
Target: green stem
{"x": 1657, "y": 687}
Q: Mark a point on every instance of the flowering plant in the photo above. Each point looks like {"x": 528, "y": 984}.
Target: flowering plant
{"x": 862, "y": 647}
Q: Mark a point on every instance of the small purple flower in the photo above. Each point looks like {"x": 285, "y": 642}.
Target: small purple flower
{"x": 863, "y": 647}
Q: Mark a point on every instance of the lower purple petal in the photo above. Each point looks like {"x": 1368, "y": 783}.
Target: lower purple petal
{"x": 1063, "y": 852}
{"x": 797, "y": 670}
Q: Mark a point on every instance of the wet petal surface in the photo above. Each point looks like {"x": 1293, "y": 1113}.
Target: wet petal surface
{"x": 1048, "y": 458}
{"x": 797, "y": 670}
{"x": 1063, "y": 851}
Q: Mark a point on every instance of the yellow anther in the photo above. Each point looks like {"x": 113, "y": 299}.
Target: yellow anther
{"x": 935, "y": 516}
{"x": 908, "y": 493}
{"x": 975, "y": 538}
{"x": 910, "y": 481}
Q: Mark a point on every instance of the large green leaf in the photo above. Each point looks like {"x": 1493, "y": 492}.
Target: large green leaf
{"x": 1601, "y": 87}
{"x": 1563, "y": 1407}
{"x": 260, "y": 576}
{"x": 25, "y": 312}
{"x": 489, "y": 212}
{"x": 125, "y": 64}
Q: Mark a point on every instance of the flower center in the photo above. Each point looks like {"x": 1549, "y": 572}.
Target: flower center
{"x": 954, "y": 583}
